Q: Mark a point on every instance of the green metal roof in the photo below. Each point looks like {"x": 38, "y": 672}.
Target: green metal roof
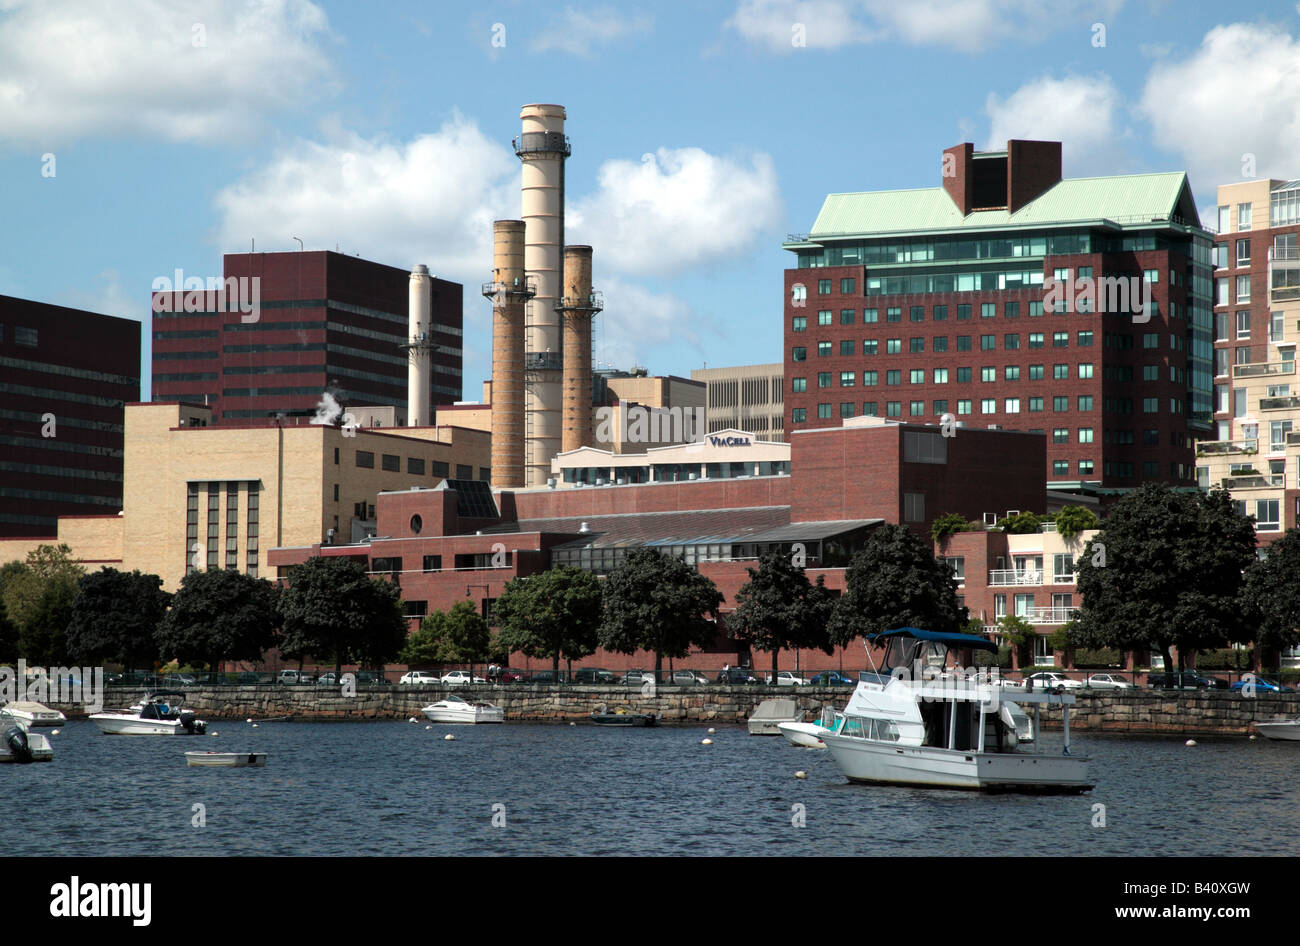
{"x": 1126, "y": 200}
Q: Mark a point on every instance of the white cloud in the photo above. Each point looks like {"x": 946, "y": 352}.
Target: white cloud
{"x": 577, "y": 31}
{"x": 181, "y": 70}
{"x": 430, "y": 200}
{"x": 674, "y": 209}
{"x": 637, "y": 321}
{"x": 967, "y": 25}
{"x": 109, "y": 297}
{"x": 1081, "y": 112}
{"x": 1196, "y": 108}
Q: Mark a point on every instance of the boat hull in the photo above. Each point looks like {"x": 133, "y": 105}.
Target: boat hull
{"x": 474, "y": 714}
{"x": 111, "y": 724}
{"x": 35, "y": 714}
{"x": 870, "y": 761}
{"x": 40, "y": 747}
{"x": 768, "y": 726}
{"x": 1288, "y": 731}
{"x": 235, "y": 760}
{"x": 623, "y": 719}
{"x": 806, "y": 735}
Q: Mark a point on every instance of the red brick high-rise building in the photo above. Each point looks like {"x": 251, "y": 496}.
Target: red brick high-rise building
{"x": 322, "y": 321}
{"x": 916, "y": 304}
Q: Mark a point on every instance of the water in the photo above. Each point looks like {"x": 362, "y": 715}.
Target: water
{"x": 392, "y": 788}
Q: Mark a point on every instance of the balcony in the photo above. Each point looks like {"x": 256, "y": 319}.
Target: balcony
{"x": 1283, "y": 274}
{"x": 1209, "y": 448}
{"x": 1279, "y": 403}
{"x": 1011, "y": 576}
{"x": 1263, "y": 369}
{"x": 1045, "y": 616}
{"x": 1252, "y": 481}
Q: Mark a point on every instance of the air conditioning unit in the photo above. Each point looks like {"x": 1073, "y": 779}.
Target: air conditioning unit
{"x": 600, "y": 481}
{"x": 990, "y": 518}
{"x": 995, "y": 427}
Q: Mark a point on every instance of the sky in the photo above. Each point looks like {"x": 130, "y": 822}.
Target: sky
{"x": 144, "y": 136}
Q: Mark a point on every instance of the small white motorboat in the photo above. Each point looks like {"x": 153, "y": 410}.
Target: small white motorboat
{"x": 809, "y": 735}
{"x": 770, "y": 714}
{"x": 159, "y": 714}
{"x": 1286, "y": 730}
{"x": 35, "y": 714}
{"x": 228, "y": 760}
{"x": 453, "y": 709}
{"x": 20, "y": 746}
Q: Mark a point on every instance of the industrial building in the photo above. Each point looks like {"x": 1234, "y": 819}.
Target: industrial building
{"x": 750, "y": 397}
{"x": 725, "y": 454}
{"x": 201, "y": 496}
{"x": 463, "y": 540}
{"x": 1255, "y": 450}
{"x": 286, "y": 327}
{"x": 65, "y": 377}
{"x": 1011, "y": 297}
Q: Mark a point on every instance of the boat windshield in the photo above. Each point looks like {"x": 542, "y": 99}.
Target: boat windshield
{"x": 452, "y": 698}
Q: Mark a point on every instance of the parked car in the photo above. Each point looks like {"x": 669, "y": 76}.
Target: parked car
{"x": 455, "y": 678}
{"x": 1262, "y": 685}
{"x": 371, "y": 679}
{"x": 419, "y": 678}
{"x": 1050, "y": 680}
{"x": 548, "y": 676}
{"x": 735, "y": 675}
{"x": 594, "y": 675}
{"x": 832, "y": 678}
{"x": 328, "y": 679}
{"x": 636, "y": 677}
{"x": 688, "y": 678}
{"x": 248, "y": 677}
{"x": 510, "y": 675}
{"x": 1188, "y": 680}
{"x": 1108, "y": 681}
{"x": 786, "y": 678}
{"x": 179, "y": 680}
{"x": 292, "y": 677}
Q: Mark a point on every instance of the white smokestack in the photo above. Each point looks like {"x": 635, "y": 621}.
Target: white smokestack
{"x": 419, "y": 372}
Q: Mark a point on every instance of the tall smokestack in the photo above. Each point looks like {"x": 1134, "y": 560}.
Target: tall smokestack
{"x": 542, "y": 148}
{"x": 576, "y": 307}
{"x": 509, "y": 291}
{"x": 419, "y": 371}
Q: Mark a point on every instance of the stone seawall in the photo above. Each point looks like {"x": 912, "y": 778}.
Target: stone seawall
{"x": 1136, "y": 711}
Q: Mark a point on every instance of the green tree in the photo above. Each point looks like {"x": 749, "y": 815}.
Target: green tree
{"x": 38, "y": 598}
{"x": 779, "y": 608}
{"x": 1019, "y": 634}
{"x": 1022, "y": 523}
{"x": 1166, "y": 570}
{"x": 895, "y": 581}
{"x": 456, "y": 636}
{"x": 219, "y": 615}
{"x": 1072, "y": 520}
{"x": 552, "y": 614}
{"x": 333, "y": 609}
{"x": 946, "y": 526}
{"x": 658, "y": 603}
{"x": 115, "y": 617}
{"x": 1271, "y": 596}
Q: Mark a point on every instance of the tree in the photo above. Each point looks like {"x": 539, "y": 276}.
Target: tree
{"x": 551, "y": 614}
{"x": 1271, "y": 595}
{"x": 658, "y": 603}
{"x": 1022, "y": 523}
{"x": 38, "y": 596}
{"x": 1166, "y": 570}
{"x": 946, "y": 526}
{"x": 219, "y": 615}
{"x": 115, "y": 617}
{"x": 1019, "y": 634}
{"x": 1072, "y": 520}
{"x": 333, "y": 608}
{"x": 895, "y": 581}
{"x": 456, "y": 636}
{"x": 779, "y": 608}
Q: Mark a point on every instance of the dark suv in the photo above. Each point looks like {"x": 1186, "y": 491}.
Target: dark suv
{"x": 592, "y": 675}
{"x": 735, "y": 675}
{"x": 1187, "y": 680}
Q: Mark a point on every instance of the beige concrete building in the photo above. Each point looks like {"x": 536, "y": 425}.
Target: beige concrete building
{"x": 197, "y": 496}
{"x": 1256, "y": 453}
{"x": 636, "y": 411}
{"x": 725, "y": 454}
{"x": 750, "y": 397}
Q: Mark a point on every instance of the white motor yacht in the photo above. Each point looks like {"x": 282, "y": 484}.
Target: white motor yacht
{"x": 160, "y": 714}
{"x": 453, "y": 709}
{"x": 1286, "y": 730}
{"x": 19, "y": 745}
{"x": 35, "y": 714}
{"x": 945, "y": 731}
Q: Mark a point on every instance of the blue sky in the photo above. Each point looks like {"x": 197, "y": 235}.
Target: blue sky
{"x": 702, "y": 134}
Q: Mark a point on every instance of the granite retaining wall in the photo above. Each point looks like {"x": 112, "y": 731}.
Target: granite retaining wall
{"x": 1135, "y": 711}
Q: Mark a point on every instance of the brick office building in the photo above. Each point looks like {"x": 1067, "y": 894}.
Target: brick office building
{"x": 460, "y": 540}
{"x": 322, "y": 320}
{"x": 918, "y": 303}
{"x": 65, "y": 376}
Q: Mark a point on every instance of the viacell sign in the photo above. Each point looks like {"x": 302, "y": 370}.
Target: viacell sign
{"x": 729, "y": 441}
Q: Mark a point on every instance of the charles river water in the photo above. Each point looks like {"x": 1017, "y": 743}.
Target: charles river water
{"x": 395, "y": 788}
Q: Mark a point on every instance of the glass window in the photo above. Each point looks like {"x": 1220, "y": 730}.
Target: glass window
{"x": 869, "y": 378}
{"x": 893, "y": 346}
{"x": 963, "y": 375}
{"x": 846, "y": 346}
{"x": 964, "y": 406}
{"x": 846, "y": 316}
{"x": 870, "y": 346}
{"x": 824, "y": 411}
{"x": 917, "y": 376}
{"x": 1060, "y": 371}
{"x": 824, "y": 287}
{"x": 893, "y": 376}
{"x": 988, "y": 310}
{"x": 799, "y": 323}
{"x": 798, "y": 354}
{"x": 988, "y": 373}
{"x": 824, "y": 317}
{"x": 847, "y": 379}
{"x": 916, "y": 313}
{"x": 1060, "y": 339}
{"x": 916, "y": 345}
{"x": 894, "y": 314}
{"x": 846, "y": 286}
{"x": 1011, "y": 342}
{"x": 823, "y": 379}
{"x": 798, "y": 385}
{"x": 963, "y": 343}
{"x": 989, "y": 405}
{"x": 963, "y": 311}
{"x": 1085, "y": 402}
{"x": 941, "y": 313}
{"x": 823, "y": 349}
{"x": 940, "y": 343}
{"x": 1085, "y": 339}
{"x": 1011, "y": 373}
{"x": 1035, "y": 372}
{"x": 988, "y": 342}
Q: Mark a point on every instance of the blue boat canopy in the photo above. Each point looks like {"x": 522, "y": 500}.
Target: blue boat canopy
{"x": 952, "y": 639}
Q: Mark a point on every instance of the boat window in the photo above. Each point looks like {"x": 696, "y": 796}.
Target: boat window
{"x": 886, "y": 730}
{"x": 852, "y": 727}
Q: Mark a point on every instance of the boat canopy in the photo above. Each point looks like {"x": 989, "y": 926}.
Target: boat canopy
{"x": 952, "y": 639}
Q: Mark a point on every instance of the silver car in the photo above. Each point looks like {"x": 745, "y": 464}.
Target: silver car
{"x": 1108, "y": 681}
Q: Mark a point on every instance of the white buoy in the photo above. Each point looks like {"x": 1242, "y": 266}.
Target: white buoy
{"x": 712, "y": 730}
{"x": 412, "y": 720}
{"x": 249, "y": 720}
{"x": 572, "y": 723}
{"x": 1253, "y": 737}
{"x": 706, "y": 742}
{"x": 216, "y": 734}
{"x": 254, "y": 725}
{"x": 449, "y": 737}
{"x": 801, "y": 774}
{"x": 428, "y": 727}
{"x": 55, "y": 732}
{"x": 1191, "y": 742}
